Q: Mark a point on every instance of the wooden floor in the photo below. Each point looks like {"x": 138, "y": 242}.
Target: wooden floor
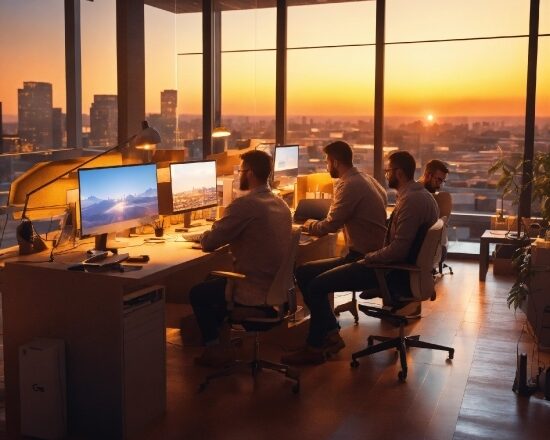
{"x": 467, "y": 398}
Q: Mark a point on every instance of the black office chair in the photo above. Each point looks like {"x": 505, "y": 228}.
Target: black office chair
{"x": 422, "y": 287}
{"x": 280, "y": 305}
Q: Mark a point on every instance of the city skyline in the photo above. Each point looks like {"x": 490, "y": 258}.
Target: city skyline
{"x": 450, "y": 79}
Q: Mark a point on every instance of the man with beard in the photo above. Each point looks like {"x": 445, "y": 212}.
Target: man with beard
{"x": 415, "y": 212}
{"x": 257, "y": 227}
{"x": 435, "y": 175}
{"x": 359, "y": 207}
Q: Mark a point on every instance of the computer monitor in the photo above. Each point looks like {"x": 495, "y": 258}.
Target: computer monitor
{"x": 116, "y": 198}
{"x": 285, "y": 165}
{"x": 194, "y": 187}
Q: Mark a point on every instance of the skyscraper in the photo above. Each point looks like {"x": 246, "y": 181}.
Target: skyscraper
{"x": 104, "y": 121}
{"x": 34, "y": 105}
{"x": 168, "y": 107}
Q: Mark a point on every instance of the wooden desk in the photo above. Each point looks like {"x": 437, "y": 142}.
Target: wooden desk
{"x": 487, "y": 238}
{"x": 86, "y": 311}
{"x": 44, "y": 299}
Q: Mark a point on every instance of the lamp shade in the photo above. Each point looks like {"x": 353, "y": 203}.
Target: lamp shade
{"x": 147, "y": 139}
{"x": 220, "y": 132}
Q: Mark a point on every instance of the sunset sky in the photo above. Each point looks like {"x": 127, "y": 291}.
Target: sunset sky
{"x": 445, "y": 79}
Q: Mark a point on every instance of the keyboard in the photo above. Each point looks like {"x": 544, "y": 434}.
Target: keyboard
{"x": 192, "y": 236}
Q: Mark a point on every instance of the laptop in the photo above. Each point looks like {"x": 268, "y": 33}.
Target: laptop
{"x": 316, "y": 209}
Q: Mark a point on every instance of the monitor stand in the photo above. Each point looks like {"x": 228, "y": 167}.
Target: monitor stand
{"x": 102, "y": 243}
{"x": 187, "y": 224}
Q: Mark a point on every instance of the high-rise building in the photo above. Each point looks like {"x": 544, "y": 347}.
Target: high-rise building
{"x": 34, "y": 105}
{"x": 168, "y": 107}
{"x": 57, "y": 127}
{"x": 1, "y": 131}
{"x": 104, "y": 121}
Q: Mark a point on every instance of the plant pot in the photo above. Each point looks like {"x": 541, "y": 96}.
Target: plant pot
{"x": 159, "y": 232}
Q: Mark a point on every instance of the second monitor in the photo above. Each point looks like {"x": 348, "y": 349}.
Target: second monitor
{"x": 285, "y": 166}
{"x": 194, "y": 187}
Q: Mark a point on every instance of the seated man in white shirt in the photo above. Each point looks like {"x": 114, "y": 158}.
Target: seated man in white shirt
{"x": 359, "y": 207}
{"x": 257, "y": 227}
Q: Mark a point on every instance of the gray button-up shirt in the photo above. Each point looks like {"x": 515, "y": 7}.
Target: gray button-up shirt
{"x": 359, "y": 206}
{"x": 415, "y": 207}
{"x": 257, "y": 228}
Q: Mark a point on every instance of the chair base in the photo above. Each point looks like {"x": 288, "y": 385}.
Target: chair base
{"x": 442, "y": 267}
{"x": 255, "y": 366}
{"x": 401, "y": 343}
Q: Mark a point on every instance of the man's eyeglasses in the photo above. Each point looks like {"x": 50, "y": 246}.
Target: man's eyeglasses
{"x": 388, "y": 170}
{"x": 440, "y": 180}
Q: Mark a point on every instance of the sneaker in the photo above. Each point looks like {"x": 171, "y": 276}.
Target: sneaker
{"x": 216, "y": 356}
{"x": 333, "y": 343}
{"x": 370, "y": 294}
{"x": 305, "y": 356}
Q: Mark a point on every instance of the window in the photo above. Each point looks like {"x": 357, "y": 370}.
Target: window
{"x": 248, "y": 75}
{"x": 330, "y": 80}
{"x": 459, "y": 101}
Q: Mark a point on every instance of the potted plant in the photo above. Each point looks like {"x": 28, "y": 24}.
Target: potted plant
{"x": 510, "y": 183}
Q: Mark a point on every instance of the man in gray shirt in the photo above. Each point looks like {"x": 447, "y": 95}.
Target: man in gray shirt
{"x": 414, "y": 213}
{"x": 257, "y": 227}
{"x": 359, "y": 206}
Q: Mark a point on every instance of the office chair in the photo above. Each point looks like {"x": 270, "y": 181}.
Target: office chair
{"x": 422, "y": 288}
{"x": 445, "y": 203}
{"x": 281, "y": 298}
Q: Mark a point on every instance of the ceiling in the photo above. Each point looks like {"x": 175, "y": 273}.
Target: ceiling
{"x": 186, "y": 6}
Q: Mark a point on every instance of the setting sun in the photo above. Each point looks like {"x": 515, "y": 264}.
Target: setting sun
{"x": 430, "y": 118}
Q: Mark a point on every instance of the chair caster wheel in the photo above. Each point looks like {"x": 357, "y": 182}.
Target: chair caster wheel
{"x": 451, "y": 354}
{"x": 402, "y": 375}
{"x": 296, "y": 388}
{"x": 370, "y": 341}
{"x": 354, "y": 364}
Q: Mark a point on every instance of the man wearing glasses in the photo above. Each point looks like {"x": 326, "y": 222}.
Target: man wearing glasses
{"x": 435, "y": 175}
{"x": 415, "y": 211}
{"x": 257, "y": 227}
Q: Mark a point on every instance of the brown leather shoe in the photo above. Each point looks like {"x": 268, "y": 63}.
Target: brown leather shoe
{"x": 305, "y": 356}
{"x": 216, "y": 356}
{"x": 333, "y": 342}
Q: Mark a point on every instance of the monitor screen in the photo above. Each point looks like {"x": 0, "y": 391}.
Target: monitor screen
{"x": 285, "y": 165}
{"x": 116, "y": 198}
{"x": 193, "y": 185}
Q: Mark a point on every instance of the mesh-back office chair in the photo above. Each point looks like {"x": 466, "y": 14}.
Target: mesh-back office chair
{"x": 281, "y": 298}
{"x": 445, "y": 203}
{"x": 422, "y": 288}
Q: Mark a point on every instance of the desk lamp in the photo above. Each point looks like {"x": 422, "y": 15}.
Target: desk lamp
{"x": 29, "y": 241}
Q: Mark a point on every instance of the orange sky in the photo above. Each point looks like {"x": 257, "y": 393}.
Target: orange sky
{"x": 459, "y": 78}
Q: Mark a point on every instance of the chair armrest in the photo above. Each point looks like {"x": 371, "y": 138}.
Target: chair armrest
{"x": 228, "y": 275}
{"x": 408, "y": 267}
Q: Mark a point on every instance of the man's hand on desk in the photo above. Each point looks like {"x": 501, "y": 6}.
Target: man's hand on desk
{"x": 307, "y": 226}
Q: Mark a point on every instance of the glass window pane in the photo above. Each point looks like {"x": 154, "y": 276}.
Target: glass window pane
{"x": 99, "y": 73}
{"x": 331, "y": 97}
{"x": 542, "y": 128}
{"x": 544, "y": 17}
{"x": 32, "y": 89}
{"x": 408, "y": 20}
{"x": 331, "y": 24}
{"x": 248, "y": 76}
{"x": 249, "y": 29}
{"x": 161, "y": 73}
{"x": 248, "y": 94}
{"x": 190, "y": 105}
{"x": 464, "y": 103}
